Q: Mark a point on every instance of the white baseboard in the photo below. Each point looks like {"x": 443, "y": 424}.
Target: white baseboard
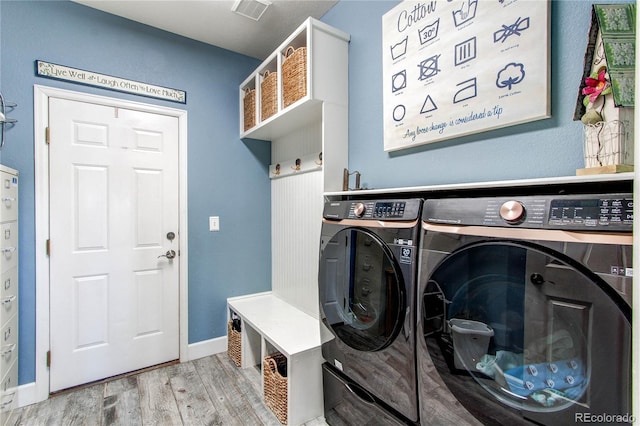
{"x": 27, "y": 394}
{"x": 206, "y": 348}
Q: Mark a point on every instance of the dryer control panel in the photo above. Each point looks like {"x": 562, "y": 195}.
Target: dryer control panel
{"x": 388, "y": 210}
{"x": 612, "y": 212}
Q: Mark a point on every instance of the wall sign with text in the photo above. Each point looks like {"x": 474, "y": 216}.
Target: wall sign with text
{"x": 90, "y": 78}
{"x": 457, "y": 67}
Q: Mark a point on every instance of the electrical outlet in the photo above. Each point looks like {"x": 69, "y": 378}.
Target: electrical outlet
{"x": 214, "y": 223}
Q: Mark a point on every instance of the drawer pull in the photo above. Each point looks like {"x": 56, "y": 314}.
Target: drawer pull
{"x": 5, "y": 199}
{"x": 7, "y": 385}
{"x": 8, "y": 300}
{"x": 5, "y": 404}
{"x": 8, "y": 250}
{"x": 9, "y": 349}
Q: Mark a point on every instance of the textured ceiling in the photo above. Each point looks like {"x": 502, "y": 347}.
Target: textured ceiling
{"x": 214, "y": 23}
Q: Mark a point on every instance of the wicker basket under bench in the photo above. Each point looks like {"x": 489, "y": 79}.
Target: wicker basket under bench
{"x": 274, "y": 383}
{"x": 272, "y": 328}
{"x": 234, "y": 344}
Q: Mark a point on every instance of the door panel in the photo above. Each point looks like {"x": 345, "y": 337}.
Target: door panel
{"x": 91, "y": 314}
{"x": 114, "y": 198}
{"x": 362, "y": 290}
{"x": 526, "y": 332}
{"x": 91, "y": 196}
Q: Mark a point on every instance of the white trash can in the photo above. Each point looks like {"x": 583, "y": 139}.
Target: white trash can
{"x": 470, "y": 342}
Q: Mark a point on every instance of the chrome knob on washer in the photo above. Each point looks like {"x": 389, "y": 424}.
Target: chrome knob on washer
{"x": 359, "y": 209}
{"x": 512, "y": 211}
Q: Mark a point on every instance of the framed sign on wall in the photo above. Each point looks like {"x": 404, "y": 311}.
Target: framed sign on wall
{"x": 457, "y": 67}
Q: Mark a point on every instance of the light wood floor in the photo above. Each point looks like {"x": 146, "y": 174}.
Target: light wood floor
{"x": 207, "y": 391}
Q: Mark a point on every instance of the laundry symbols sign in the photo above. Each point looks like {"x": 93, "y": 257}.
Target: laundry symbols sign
{"x": 457, "y": 67}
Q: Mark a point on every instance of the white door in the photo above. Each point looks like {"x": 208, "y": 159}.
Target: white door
{"x": 113, "y": 209}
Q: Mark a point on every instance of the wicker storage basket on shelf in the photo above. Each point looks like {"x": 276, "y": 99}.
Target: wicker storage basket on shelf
{"x": 234, "y": 344}
{"x": 249, "y": 114}
{"x": 294, "y": 75}
{"x": 268, "y": 94}
{"x": 275, "y": 386}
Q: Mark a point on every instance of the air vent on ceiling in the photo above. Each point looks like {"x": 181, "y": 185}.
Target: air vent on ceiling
{"x": 250, "y": 8}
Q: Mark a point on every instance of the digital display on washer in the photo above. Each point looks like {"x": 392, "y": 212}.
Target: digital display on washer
{"x": 591, "y": 212}
{"x": 389, "y": 209}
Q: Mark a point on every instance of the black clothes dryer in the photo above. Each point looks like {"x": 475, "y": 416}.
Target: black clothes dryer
{"x": 367, "y": 285}
{"x": 524, "y": 310}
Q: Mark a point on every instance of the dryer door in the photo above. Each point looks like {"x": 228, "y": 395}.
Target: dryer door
{"x": 514, "y": 327}
{"x": 361, "y": 289}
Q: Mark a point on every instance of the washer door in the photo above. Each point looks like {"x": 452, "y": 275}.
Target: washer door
{"x": 361, "y": 289}
{"x": 518, "y": 328}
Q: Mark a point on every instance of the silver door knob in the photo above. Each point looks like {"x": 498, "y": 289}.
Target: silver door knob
{"x": 170, "y": 254}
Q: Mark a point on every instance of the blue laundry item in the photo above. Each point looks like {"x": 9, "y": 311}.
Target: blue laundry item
{"x": 559, "y": 375}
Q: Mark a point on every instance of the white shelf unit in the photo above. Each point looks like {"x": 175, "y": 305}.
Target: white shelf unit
{"x": 327, "y": 57}
{"x": 271, "y": 325}
{"x": 8, "y": 291}
{"x": 309, "y": 152}
{"x": 325, "y": 103}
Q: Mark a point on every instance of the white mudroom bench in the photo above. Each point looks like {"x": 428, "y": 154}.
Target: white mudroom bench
{"x": 270, "y": 325}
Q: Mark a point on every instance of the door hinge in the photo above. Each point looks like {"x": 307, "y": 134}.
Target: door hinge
{"x": 48, "y": 358}
{"x": 48, "y": 247}
{"x": 47, "y": 135}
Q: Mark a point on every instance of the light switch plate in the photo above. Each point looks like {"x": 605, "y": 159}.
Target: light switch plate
{"x": 214, "y": 223}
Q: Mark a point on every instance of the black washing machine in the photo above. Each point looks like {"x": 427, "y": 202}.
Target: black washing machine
{"x": 524, "y": 310}
{"x": 367, "y": 287}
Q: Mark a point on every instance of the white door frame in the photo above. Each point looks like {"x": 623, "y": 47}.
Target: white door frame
{"x": 41, "y": 154}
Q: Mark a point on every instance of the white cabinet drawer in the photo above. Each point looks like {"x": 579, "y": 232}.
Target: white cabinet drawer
{"x": 9, "y": 344}
{"x": 8, "y": 246}
{"x": 8, "y": 389}
{"x": 9, "y": 286}
{"x": 8, "y": 197}
{"x": 9, "y": 303}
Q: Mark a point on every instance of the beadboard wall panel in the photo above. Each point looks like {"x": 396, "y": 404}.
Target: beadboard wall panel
{"x": 296, "y": 221}
{"x": 299, "y": 143}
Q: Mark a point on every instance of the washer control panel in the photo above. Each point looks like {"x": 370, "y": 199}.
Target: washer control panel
{"x": 612, "y": 212}
{"x": 391, "y": 210}
{"x": 592, "y": 212}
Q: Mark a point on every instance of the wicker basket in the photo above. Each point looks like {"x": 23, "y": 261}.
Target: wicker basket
{"x": 249, "y": 114}
{"x": 275, "y": 386}
{"x": 294, "y": 75}
{"x": 234, "y": 344}
{"x": 268, "y": 95}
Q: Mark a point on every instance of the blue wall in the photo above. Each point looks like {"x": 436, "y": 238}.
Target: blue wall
{"x": 545, "y": 148}
{"x": 226, "y": 176}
